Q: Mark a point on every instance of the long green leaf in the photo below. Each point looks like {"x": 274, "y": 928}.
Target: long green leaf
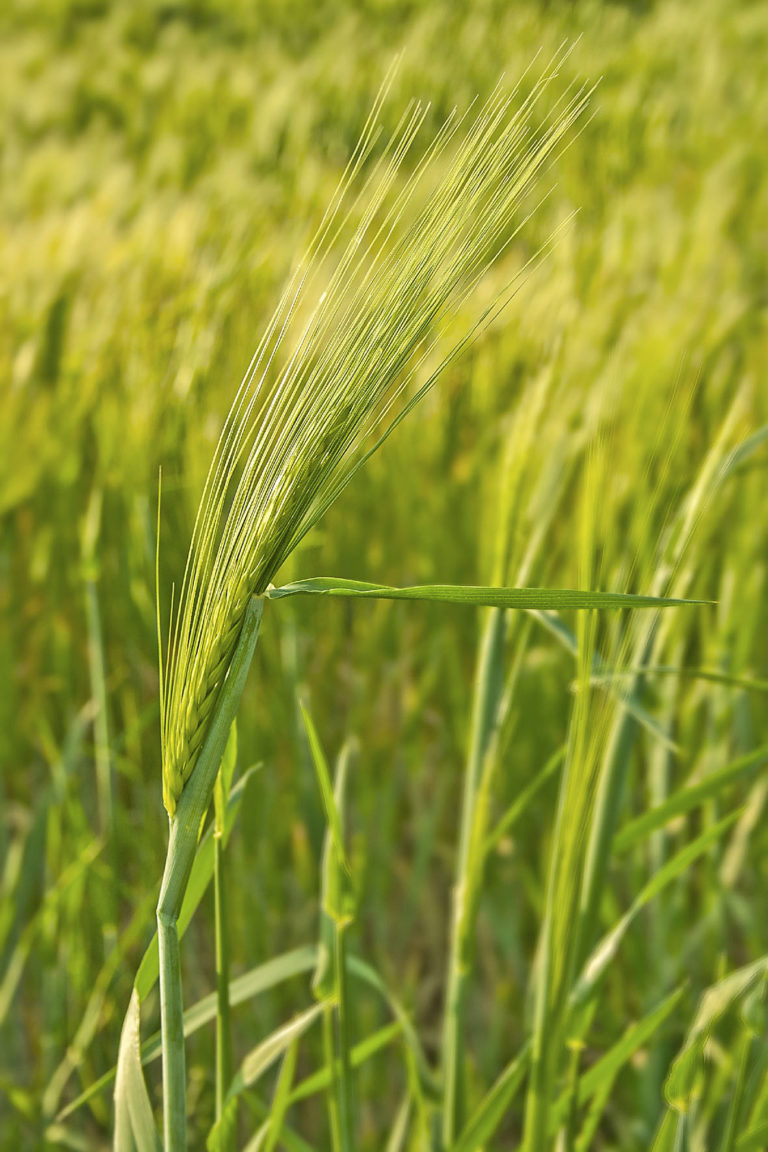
{"x": 680, "y": 1083}
{"x": 134, "y": 1123}
{"x": 609, "y": 945}
{"x": 687, "y": 798}
{"x": 368, "y": 975}
{"x": 268, "y": 1051}
{"x": 609, "y": 1065}
{"x": 281, "y": 1098}
{"x": 742, "y": 452}
{"x": 630, "y": 700}
{"x": 525, "y": 598}
{"x": 244, "y": 988}
{"x": 755, "y": 1140}
{"x": 524, "y": 799}
{"x": 493, "y": 1107}
{"x": 326, "y": 788}
{"x": 359, "y": 1054}
{"x": 255, "y": 1064}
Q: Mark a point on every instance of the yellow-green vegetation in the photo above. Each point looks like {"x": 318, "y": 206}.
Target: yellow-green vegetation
{"x": 523, "y": 902}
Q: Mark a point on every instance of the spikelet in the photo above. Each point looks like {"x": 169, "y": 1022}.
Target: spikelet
{"x": 330, "y": 375}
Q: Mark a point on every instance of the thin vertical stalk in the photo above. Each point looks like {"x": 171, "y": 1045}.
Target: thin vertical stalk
{"x": 556, "y": 953}
{"x": 98, "y": 680}
{"x": 346, "y": 1100}
{"x": 330, "y": 979}
{"x": 332, "y": 1096}
{"x": 488, "y": 686}
{"x": 172, "y": 1025}
{"x": 733, "y": 1125}
{"x": 223, "y": 1015}
{"x": 182, "y": 847}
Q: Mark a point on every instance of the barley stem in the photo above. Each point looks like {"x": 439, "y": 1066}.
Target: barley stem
{"x": 332, "y": 1096}
{"x": 172, "y": 1024}
{"x": 488, "y": 687}
{"x": 223, "y": 1017}
{"x": 182, "y": 847}
{"x": 342, "y": 1028}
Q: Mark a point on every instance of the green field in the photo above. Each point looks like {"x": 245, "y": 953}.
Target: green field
{"x": 164, "y": 166}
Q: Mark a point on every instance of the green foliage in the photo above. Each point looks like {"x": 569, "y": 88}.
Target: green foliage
{"x": 164, "y": 167}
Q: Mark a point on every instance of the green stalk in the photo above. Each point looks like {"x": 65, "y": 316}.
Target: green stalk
{"x": 557, "y": 947}
{"x": 488, "y": 685}
{"x": 330, "y": 979}
{"x": 182, "y": 846}
{"x": 98, "y": 679}
{"x": 223, "y": 1017}
{"x": 332, "y": 1095}
{"x": 342, "y": 1029}
{"x": 172, "y": 1025}
{"x": 734, "y": 1125}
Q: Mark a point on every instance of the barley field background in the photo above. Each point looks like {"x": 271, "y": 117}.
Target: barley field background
{"x": 592, "y": 786}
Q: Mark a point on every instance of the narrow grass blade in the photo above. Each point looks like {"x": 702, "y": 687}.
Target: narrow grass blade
{"x": 368, "y": 975}
{"x": 221, "y": 792}
{"x": 134, "y": 1123}
{"x": 92, "y": 1019}
{"x": 523, "y": 801}
{"x": 326, "y": 789}
{"x": 291, "y": 1140}
{"x": 493, "y": 1108}
{"x": 281, "y": 1098}
{"x": 745, "y": 683}
{"x": 336, "y": 912}
{"x": 223, "y": 785}
{"x": 241, "y": 990}
{"x": 651, "y": 633}
{"x": 399, "y": 1134}
{"x": 629, "y": 699}
{"x": 254, "y": 1066}
{"x": 687, "y": 798}
{"x": 754, "y": 1140}
{"x": 21, "y": 951}
{"x": 268, "y": 1051}
{"x": 743, "y": 452}
{"x": 223, "y": 1017}
{"x": 488, "y": 689}
{"x": 606, "y": 950}
{"x": 733, "y": 1123}
{"x": 558, "y": 943}
{"x": 365, "y": 1050}
{"x": 680, "y": 1083}
{"x": 525, "y": 598}
{"x": 608, "y": 1066}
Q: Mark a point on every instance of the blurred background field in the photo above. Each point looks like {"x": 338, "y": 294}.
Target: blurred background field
{"x": 163, "y": 166}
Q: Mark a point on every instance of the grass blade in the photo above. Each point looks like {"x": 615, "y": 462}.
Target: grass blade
{"x": 679, "y": 1086}
{"x": 606, "y": 950}
{"x": 493, "y": 1108}
{"x": 134, "y": 1123}
{"x": 558, "y": 599}
{"x": 687, "y": 798}
{"x": 326, "y": 789}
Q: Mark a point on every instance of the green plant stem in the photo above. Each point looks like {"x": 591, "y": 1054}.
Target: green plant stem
{"x": 98, "y": 680}
{"x": 223, "y": 1016}
{"x": 733, "y": 1125}
{"x": 182, "y": 846}
{"x": 342, "y": 1027}
{"x": 484, "y": 710}
{"x": 332, "y": 1096}
{"x": 172, "y": 1024}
